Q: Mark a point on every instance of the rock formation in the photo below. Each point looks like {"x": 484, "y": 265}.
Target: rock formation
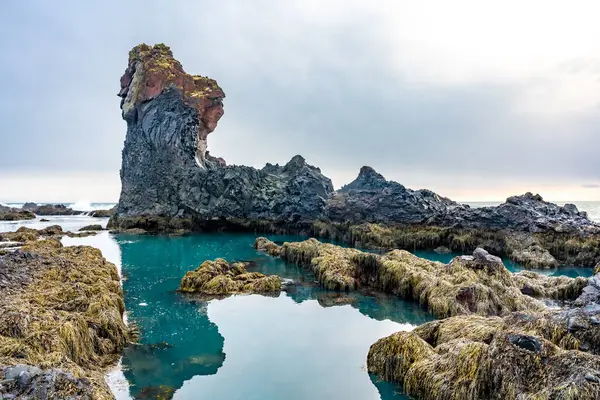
{"x": 168, "y": 180}
{"x": 61, "y": 321}
{"x": 219, "y": 278}
{"x": 171, "y": 184}
{"x": 14, "y": 214}
{"x": 50, "y": 209}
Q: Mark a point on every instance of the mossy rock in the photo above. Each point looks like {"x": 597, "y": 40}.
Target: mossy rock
{"x": 478, "y": 284}
{"x": 220, "y": 278}
{"x": 470, "y": 357}
{"x": 63, "y": 310}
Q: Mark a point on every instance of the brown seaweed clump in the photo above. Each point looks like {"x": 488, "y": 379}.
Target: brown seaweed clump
{"x": 61, "y": 310}
{"x": 471, "y": 357}
{"x": 550, "y": 287}
{"x": 219, "y": 278}
{"x": 478, "y": 284}
{"x": 530, "y": 249}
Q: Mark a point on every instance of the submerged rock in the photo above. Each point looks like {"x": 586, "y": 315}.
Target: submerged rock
{"x": 219, "y": 278}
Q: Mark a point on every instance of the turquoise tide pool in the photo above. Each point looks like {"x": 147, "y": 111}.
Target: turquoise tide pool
{"x": 305, "y": 344}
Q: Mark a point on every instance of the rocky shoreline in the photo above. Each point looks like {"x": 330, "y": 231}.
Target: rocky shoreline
{"x": 498, "y": 340}
{"x": 61, "y": 319}
{"x": 30, "y": 210}
{"x": 172, "y": 185}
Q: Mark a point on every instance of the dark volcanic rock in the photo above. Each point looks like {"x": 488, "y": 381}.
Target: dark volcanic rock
{"x": 30, "y": 382}
{"x": 528, "y": 213}
{"x": 51, "y": 209}
{"x": 171, "y": 183}
{"x": 94, "y": 227}
{"x": 371, "y": 198}
{"x": 168, "y": 182}
{"x": 14, "y": 214}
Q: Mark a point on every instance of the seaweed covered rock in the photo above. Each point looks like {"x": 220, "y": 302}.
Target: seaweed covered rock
{"x": 530, "y": 249}
{"x": 546, "y": 354}
{"x": 219, "y": 278}
{"x": 477, "y": 284}
{"x": 549, "y": 287}
{"x": 61, "y": 309}
{"x": 480, "y": 364}
{"x": 24, "y": 234}
{"x": 14, "y": 214}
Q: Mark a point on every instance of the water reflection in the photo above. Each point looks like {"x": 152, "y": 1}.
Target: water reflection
{"x": 309, "y": 343}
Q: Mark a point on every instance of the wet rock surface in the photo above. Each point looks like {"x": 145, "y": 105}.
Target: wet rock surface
{"x": 29, "y": 382}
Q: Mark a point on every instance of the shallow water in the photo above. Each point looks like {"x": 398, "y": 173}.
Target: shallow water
{"x": 308, "y": 343}
{"x": 298, "y": 345}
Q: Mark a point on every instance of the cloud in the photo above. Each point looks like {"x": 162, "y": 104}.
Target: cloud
{"x": 590, "y": 186}
{"x": 436, "y": 95}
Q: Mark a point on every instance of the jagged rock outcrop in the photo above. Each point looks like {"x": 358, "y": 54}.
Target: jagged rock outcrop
{"x": 14, "y": 214}
{"x": 372, "y": 198}
{"x": 103, "y": 213}
{"x": 171, "y": 184}
{"x": 50, "y": 209}
{"x": 168, "y": 180}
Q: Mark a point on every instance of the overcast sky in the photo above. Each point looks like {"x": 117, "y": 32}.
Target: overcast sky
{"x": 474, "y": 101}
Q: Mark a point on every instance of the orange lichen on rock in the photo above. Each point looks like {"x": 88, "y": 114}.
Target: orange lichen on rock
{"x": 152, "y": 70}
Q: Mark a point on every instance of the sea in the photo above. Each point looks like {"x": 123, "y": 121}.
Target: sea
{"x": 308, "y": 343}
